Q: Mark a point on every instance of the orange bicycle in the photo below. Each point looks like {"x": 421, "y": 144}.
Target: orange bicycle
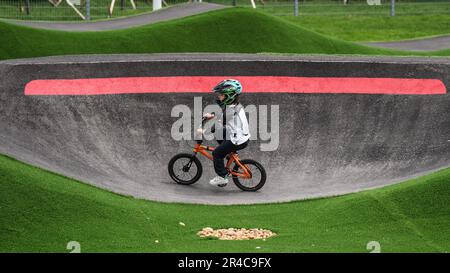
{"x": 186, "y": 169}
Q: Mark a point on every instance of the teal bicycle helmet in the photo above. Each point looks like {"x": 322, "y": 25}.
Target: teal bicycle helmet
{"x": 230, "y": 88}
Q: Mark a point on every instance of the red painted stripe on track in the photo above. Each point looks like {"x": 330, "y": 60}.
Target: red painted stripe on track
{"x": 251, "y": 84}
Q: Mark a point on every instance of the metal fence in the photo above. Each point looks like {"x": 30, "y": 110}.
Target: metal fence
{"x": 58, "y": 10}
{"x": 345, "y": 7}
{"x": 75, "y": 10}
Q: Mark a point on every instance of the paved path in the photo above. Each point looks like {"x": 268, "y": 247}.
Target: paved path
{"x": 428, "y": 44}
{"x": 173, "y": 12}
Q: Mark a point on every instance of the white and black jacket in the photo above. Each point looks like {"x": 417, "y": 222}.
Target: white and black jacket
{"x": 235, "y": 124}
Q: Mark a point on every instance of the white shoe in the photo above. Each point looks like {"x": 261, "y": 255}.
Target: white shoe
{"x": 219, "y": 181}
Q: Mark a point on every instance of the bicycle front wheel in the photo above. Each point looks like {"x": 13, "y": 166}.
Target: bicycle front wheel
{"x": 185, "y": 169}
{"x": 257, "y": 180}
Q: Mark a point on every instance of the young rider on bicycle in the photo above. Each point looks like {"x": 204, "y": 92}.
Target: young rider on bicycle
{"x": 234, "y": 124}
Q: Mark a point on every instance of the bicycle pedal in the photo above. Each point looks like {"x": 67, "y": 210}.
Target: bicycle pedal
{"x": 222, "y": 185}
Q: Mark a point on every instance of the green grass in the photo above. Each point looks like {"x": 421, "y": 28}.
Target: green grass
{"x": 358, "y": 7}
{"x": 358, "y": 21}
{"x": 42, "y": 211}
{"x": 376, "y": 28}
{"x": 237, "y": 30}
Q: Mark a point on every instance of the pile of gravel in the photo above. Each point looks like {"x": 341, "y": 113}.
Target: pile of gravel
{"x": 236, "y": 233}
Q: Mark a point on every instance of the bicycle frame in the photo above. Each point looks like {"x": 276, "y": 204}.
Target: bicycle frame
{"x": 204, "y": 150}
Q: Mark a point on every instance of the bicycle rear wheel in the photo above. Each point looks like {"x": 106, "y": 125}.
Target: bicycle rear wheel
{"x": 257, "y": 180}
{"x": 185, "y": 169}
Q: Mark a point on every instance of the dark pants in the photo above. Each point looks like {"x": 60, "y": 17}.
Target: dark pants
{"x": 225, "y": 147}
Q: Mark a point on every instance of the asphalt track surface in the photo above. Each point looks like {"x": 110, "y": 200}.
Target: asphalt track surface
{"x": 426, "y": 44}
{"x": 169, "y": 13}
{"x": 329, "y": 144}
